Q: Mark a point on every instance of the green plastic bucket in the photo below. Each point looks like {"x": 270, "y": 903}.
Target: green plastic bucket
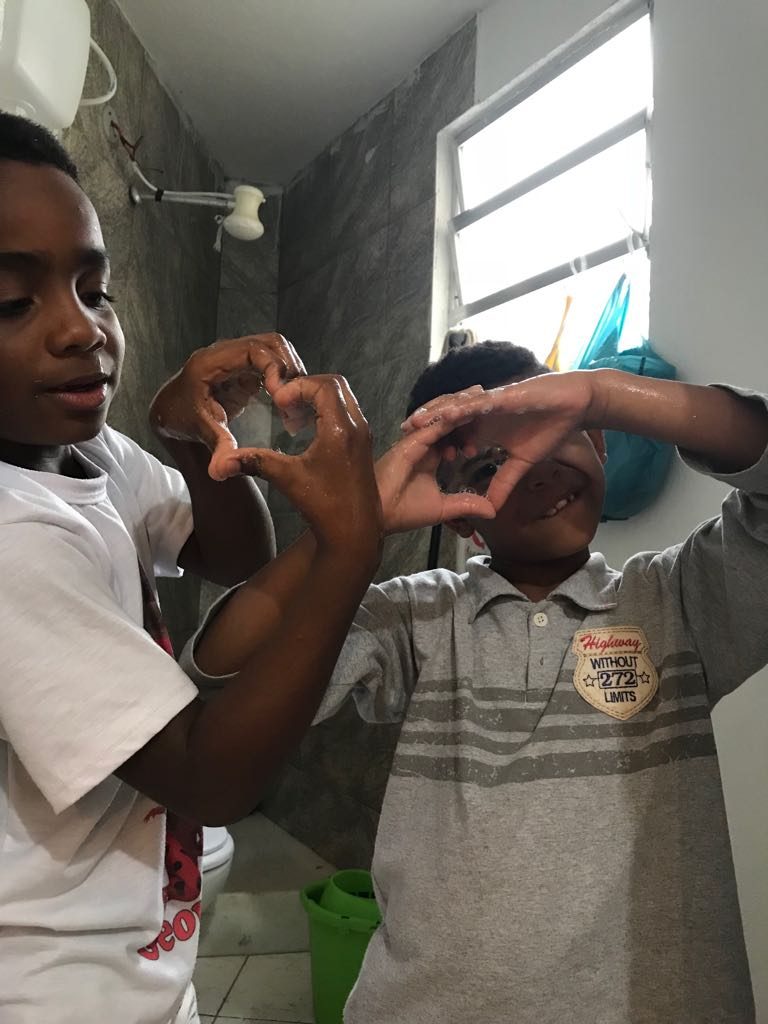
{"x": 343, "y": 915}
{"x": 350, "y": 894}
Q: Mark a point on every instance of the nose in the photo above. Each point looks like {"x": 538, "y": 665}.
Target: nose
{"x": 543, "y": 474}
{"x": 74, "y": 328}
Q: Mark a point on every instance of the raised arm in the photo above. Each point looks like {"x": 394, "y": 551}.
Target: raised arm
{"x": 534, "y": 417}
{"x": 410, "y": 499}
{"x": 212, "y": 760}
{"x": 233, "y": 534}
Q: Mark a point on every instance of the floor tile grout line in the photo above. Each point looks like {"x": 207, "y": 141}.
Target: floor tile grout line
{"x": 227, "y": 993}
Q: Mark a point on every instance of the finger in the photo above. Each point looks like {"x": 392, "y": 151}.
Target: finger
{"x": 279, "y": 469}
{"x": 270, "y": 355}
{"x": 211, "y": 421}
{"x": 231, "y": 356}
{"x": 436, "y": 408}
{"x": 281, "y": 350}
{"x": 221, "y": 466}
{"x": 455, "y": 413}
{"x": 415, "y": 445}
{"x": 295, "y": 361}
{"x": 328, "y": 395}
{"x": 286, "y": 363}
{"x": 460, "y": 506}
{"x": 505, "y": 480}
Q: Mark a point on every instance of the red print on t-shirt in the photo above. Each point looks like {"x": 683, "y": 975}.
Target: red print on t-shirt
{"x": 183, "y": 849}
{"x": 183, "y": 839}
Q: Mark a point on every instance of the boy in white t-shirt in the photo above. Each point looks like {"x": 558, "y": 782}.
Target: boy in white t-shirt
{"x": 100, "y": 731}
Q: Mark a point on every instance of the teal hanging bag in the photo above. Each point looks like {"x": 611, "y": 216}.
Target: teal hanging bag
{"x": 637, "y": 467}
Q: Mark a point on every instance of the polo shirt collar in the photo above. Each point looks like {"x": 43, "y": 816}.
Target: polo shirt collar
{"x": 593, "y": 587}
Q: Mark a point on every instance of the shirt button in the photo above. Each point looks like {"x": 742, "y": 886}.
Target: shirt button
{"x": 540, "y": 619}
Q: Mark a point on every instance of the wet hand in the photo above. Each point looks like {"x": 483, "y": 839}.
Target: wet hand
{"x": 332, "y": 483}
{"x": 531, "y": 420}
{"x": 411, "y": 497}
{"x": 216, "y": 384}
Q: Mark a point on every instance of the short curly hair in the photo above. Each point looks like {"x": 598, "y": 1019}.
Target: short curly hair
{"x": 489, "y": 364}
{"x": 29, "y": 143}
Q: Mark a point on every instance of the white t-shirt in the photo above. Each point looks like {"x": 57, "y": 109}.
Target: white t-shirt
{"x": 89, "y": 930}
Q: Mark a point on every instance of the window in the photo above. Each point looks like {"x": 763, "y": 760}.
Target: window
{"x": 551, "y": 193}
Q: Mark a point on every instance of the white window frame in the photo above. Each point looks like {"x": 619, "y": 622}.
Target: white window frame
{"x": 451, "y": 215}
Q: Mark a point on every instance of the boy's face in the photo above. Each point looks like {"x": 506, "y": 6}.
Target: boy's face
{"x": 554, "y": 511}
{"x": 61, "y": 346}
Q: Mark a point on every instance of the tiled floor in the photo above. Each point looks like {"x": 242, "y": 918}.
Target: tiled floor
{"x": 253, "y": 966}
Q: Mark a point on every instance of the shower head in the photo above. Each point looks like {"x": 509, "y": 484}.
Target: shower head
{"x": 241, "y": 219}
{"x": 243, "y": 222}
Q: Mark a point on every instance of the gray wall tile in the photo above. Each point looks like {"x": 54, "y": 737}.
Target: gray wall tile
{"x": 252, "y": 266}
{"x": 244, "y": 312}
{"x": 439, "y": 91}
{"x": 341, "y": 198}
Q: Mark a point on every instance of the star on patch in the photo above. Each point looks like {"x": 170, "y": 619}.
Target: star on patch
{"x": 644, "y": 678}
{"x": 590, "y": 680}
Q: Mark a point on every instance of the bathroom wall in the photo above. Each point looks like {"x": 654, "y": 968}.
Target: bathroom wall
{"x": 165, "y": 272}
{"x": 709, "y": 267}
{"x": 354, "y": 296}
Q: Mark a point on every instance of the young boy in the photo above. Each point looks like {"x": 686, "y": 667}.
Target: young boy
{"x": 100, "y": 730}
{"x": 553, "y": 843}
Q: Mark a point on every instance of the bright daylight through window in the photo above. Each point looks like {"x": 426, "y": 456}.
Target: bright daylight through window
{"x": 553, "y": 202}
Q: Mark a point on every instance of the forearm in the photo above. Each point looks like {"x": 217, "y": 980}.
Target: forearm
{"x": 255, "y": 610}
{"x": 729, "y": 432}
{"x": 233, "y": 536}
{"x": 223, "y": 753}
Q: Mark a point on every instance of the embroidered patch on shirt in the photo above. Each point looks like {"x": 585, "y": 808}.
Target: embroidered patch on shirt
{"x": 614, "y": 673}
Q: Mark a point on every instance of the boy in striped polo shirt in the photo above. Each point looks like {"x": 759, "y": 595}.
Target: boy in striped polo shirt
{"x": 553, "y": 843}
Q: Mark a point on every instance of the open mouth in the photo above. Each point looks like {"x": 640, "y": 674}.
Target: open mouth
{"x": 88, "y": 393}
{"x": 93, "y": 380}
{"x": 558, "y": 507}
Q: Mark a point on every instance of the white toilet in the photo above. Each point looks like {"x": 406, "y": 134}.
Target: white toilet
{"x": 218, "y": 850}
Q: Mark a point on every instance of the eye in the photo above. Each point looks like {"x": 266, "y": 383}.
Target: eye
{"x": 484, "y": 473}
{"x": 98, "y": 299}
{"x": 11, "y": 308}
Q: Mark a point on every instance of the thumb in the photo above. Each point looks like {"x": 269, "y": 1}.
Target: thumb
{"x": 210, "y": 422}
{"x": 223, "y": 445}
{"x": 466, "y": 506}
{"x": 275, "y": 467}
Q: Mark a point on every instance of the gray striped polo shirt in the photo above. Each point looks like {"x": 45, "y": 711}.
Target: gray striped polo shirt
{"x": 539, "y": 860}
{"x": 548, "y": 854}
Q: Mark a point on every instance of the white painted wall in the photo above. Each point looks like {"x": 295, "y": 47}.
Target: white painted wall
{"x": 709, "y": 301}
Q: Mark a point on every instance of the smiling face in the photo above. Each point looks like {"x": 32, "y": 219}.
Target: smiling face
{"x": 554, "y": 511}
{"x": 61, "y": 346}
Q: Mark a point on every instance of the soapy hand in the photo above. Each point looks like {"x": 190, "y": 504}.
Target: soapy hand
{"x": 407, "y": 477}
{"x": 332, "y": 483}
{"x": 215, "y": 385}
{"x": 530, "y": 419}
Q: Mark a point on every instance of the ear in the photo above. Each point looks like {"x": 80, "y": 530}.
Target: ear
{"x": 597, "y": 437}
{"x": 461, "y": 526}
